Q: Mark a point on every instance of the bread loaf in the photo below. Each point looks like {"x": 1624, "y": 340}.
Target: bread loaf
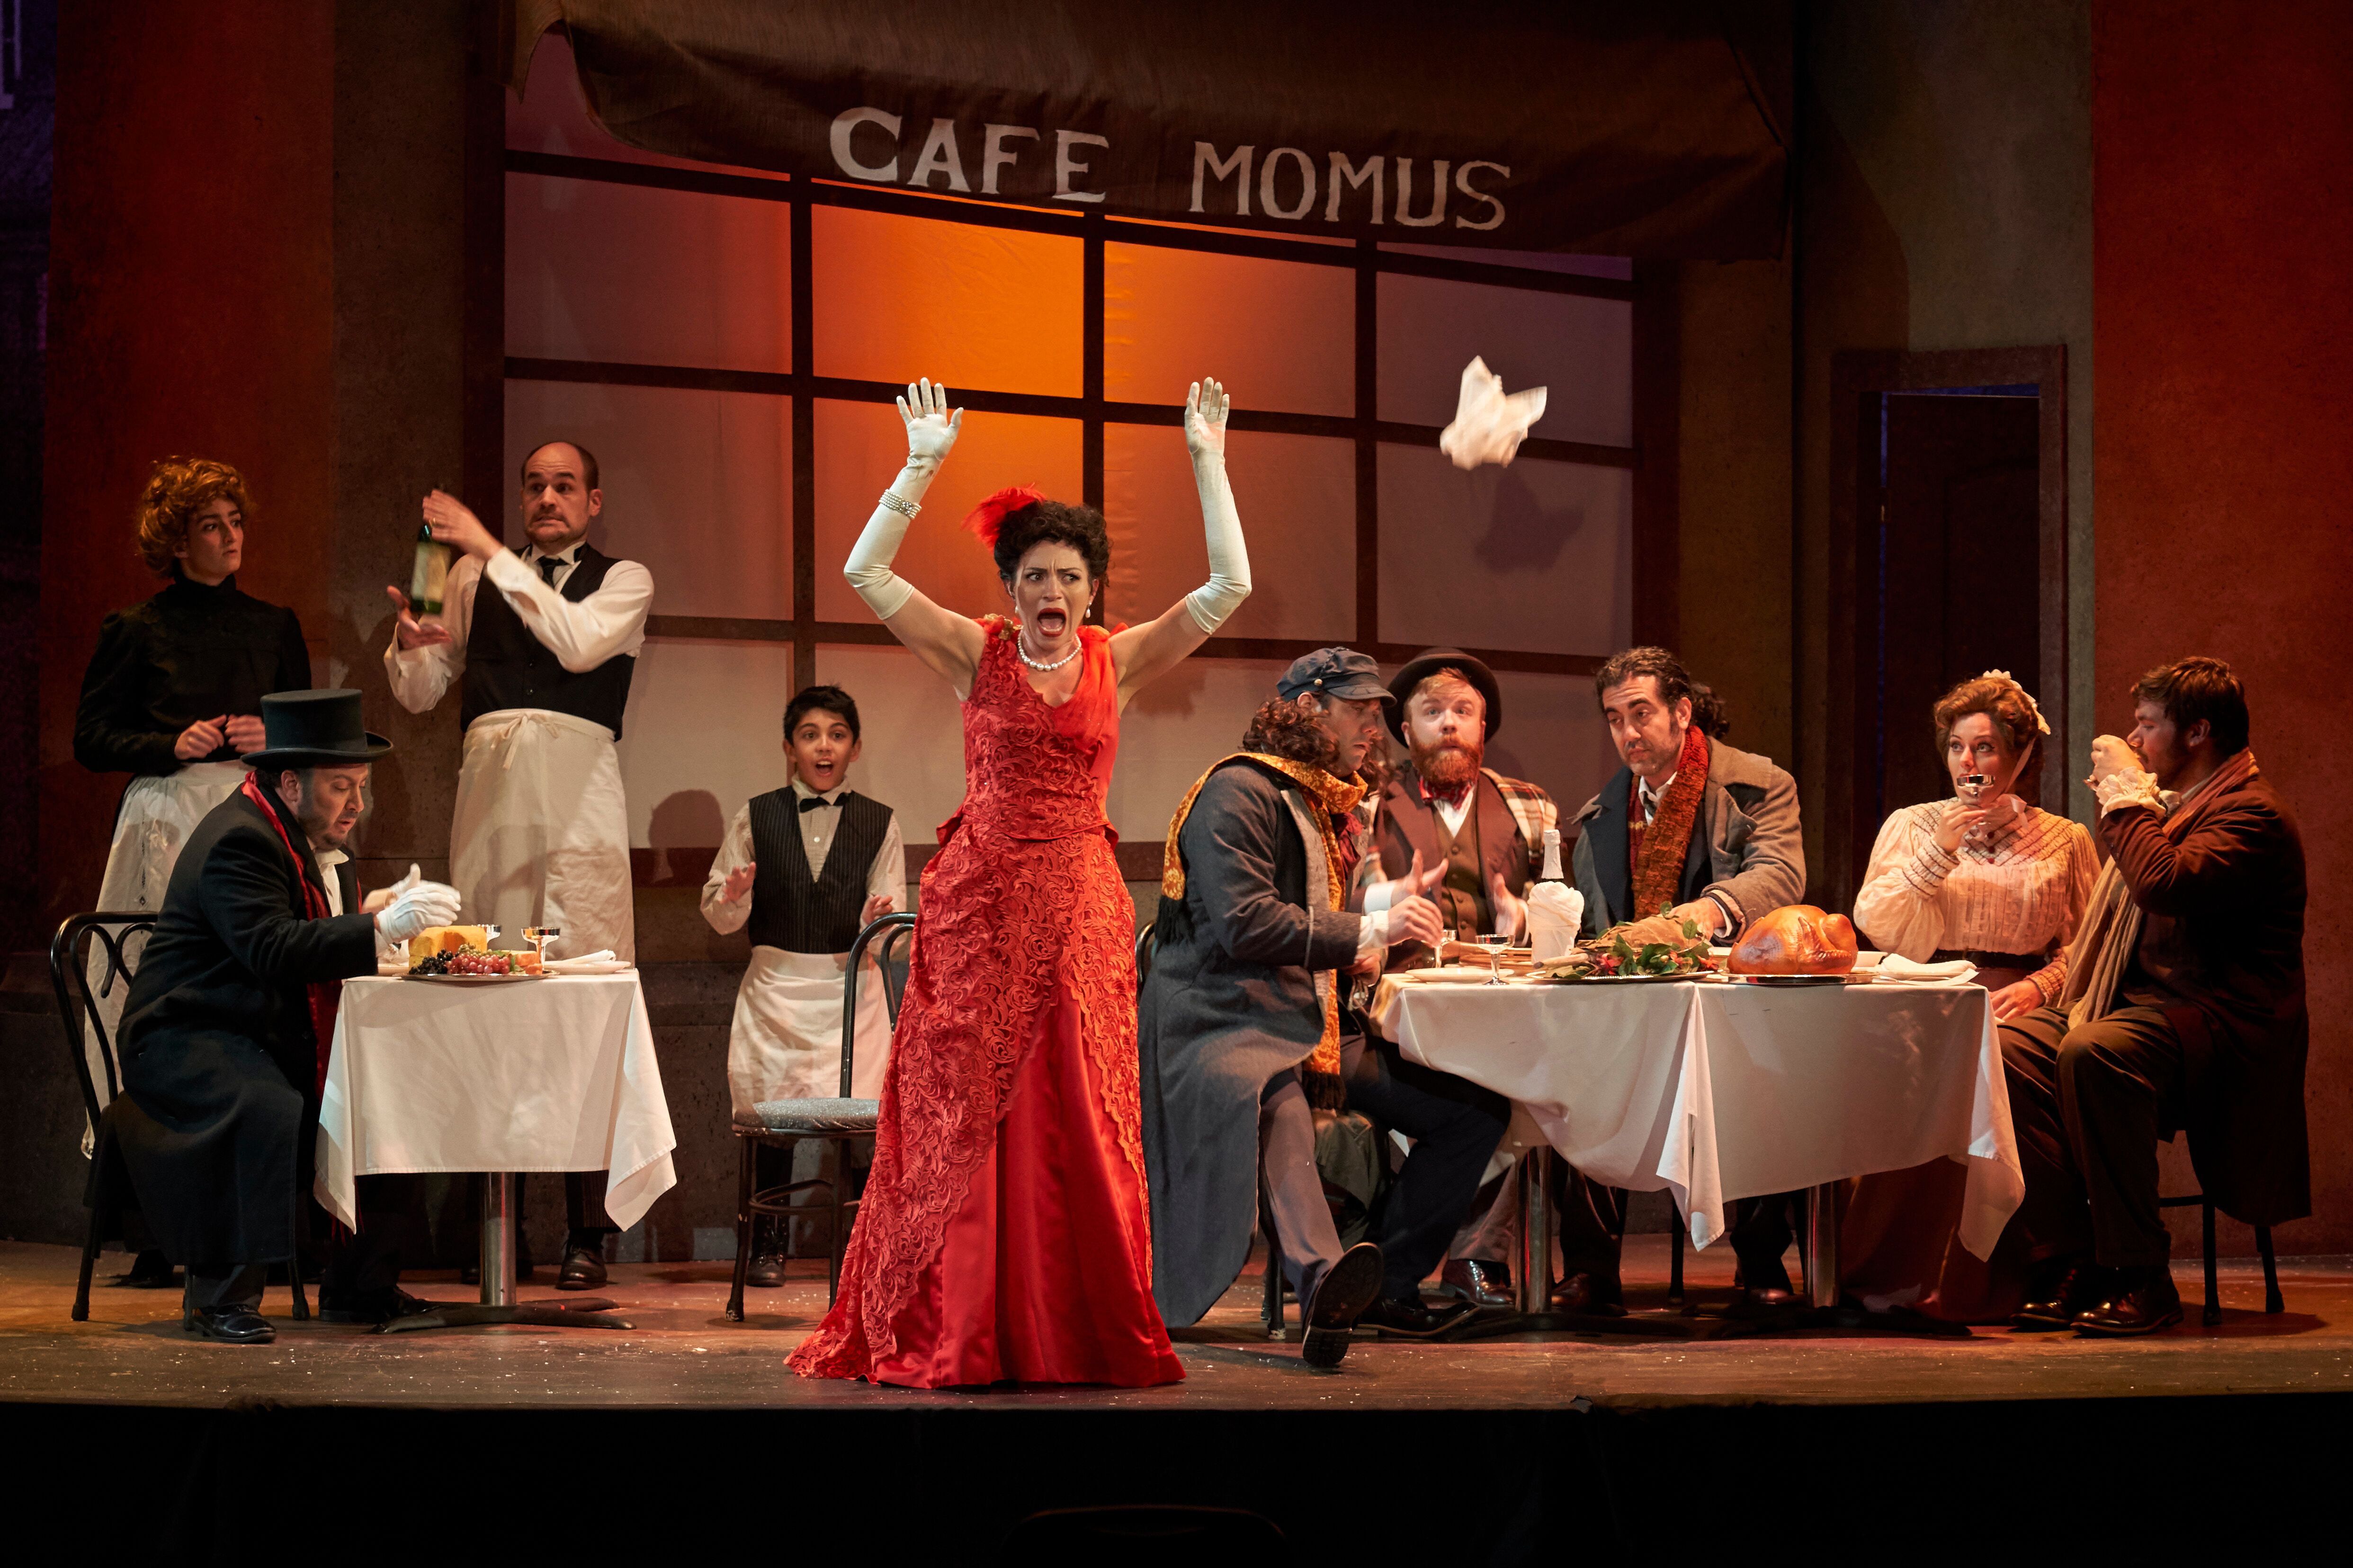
{"x": 1797, "y": 939}
{"x": 445, "y": 939}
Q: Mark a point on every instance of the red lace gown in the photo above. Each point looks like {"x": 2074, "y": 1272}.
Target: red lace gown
{"x": 1003, "y": 1235}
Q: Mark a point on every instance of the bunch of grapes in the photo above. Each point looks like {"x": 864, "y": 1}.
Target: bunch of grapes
{"x": 474, "y": 960}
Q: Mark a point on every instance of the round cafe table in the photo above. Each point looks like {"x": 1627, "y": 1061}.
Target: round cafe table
{"x": 1717, "y": 1091}
{"x": 554, "y": 1074}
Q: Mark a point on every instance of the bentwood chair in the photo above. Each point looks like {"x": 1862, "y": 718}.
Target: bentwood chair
{"x": 841, "y": 1122}
{"x": 2272, "y": 1300}
{"x": 109, "y": 1194}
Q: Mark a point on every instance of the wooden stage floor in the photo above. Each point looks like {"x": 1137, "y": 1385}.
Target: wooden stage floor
{"x": 683, "y": 1354}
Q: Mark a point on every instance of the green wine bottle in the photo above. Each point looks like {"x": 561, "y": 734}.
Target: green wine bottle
{"x": 431, "y": 578}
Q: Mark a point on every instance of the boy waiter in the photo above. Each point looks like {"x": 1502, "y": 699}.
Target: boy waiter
{"x": 807, "y": 867}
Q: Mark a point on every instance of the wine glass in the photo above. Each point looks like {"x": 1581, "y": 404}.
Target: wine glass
{"x": 1494, "y": 944}
{"x": 1445, "y": 940}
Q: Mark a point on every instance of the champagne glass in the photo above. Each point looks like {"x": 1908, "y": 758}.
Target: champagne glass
{"x": 539, "y": 937}
{"x": 1445, "y": 940}
{"x": 1493, "y": 943}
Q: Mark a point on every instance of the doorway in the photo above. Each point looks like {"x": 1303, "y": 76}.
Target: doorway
{"x": 1948, "y": 534}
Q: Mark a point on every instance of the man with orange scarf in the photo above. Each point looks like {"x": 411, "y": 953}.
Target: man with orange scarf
{"x": 1689, "y": 829}
{"x": 1243, "y": 1013}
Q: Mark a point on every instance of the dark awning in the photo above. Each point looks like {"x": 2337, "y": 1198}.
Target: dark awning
{"x": 1631, "y": 129}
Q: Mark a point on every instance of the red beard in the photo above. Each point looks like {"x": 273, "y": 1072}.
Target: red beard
{"x": 1449, "y": 768}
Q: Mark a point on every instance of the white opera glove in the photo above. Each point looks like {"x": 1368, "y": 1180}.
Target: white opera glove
{"x": 422, "y": 905}
{"x": 932, "y": 432}
{"x": 1206, "y": 407}
{"x": 2118, "y": 778}
{"x": 382, "y": 898}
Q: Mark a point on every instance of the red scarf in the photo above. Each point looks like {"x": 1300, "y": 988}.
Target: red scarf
{"x": 1658, "y": 850}
{"x": 323, "y": 994}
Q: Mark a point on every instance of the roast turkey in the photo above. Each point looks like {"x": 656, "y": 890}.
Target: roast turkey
{"x": 1797, "y": 939}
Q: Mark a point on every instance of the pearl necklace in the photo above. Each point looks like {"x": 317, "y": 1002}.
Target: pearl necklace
{"x": 1021, "y": 650}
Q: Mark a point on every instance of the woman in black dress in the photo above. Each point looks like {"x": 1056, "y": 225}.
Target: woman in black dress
{"x": 173, "y": 695}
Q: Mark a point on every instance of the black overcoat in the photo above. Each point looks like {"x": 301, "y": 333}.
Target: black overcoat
{"x": 219, "y": 1053}
{"x": 1231, "y": 1002}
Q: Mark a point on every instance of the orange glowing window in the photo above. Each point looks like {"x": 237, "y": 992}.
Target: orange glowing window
{"x": 1297, "y": 497}
{"x": 1580, "y": 349}
{"x": 1279, "y": 335}
{"x": 899, "y": 298}
{"x": 860, "y": 449}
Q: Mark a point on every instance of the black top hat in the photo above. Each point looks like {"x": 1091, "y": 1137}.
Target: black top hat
{"x": 314, "y": 730}
{"x": 1430, "y": 663}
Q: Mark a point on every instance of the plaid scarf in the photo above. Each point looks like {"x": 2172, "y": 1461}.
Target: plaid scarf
{"x": 1661, "y": 848}
{"x": 323, "y": 994}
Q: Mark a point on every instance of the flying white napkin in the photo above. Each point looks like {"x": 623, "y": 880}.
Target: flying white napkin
{"x": 1556, "y": 910}
{"x": 1488, "y": 424}
{"x": 1896, "y": 970}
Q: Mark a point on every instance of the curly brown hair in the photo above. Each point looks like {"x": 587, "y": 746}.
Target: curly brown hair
{"x": 1286, "y": 726}
{"x": 2006, "y": 705}
{"x": 178, "y": 490}
{"x": 1052, "y": 522}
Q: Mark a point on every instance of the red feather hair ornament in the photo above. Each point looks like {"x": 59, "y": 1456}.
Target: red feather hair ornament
{"x": 988, "y": 517}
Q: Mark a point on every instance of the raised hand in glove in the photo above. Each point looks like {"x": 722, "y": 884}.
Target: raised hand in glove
{"x": 2118, "y": 779}
{"x": 421, "y": 905}
{"x": 382, "y": 898}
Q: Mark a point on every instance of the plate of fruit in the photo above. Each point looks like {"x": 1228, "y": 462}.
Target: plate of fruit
{"x": 461, "y": 955}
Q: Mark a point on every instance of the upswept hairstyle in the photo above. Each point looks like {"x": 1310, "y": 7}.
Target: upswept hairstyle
{"x": 178, "y": 490}
{"x": 1286, "y": 726}
{"x": 1674, "y": 680}
{"x": 821, "y": 700}
{"x": 1052, "y": 522}
{"x": 1710, "y": 714}
{"x": 2193, "y": 689}
{"x": 2001, "y": 701}
{"x": 587, "y": 460}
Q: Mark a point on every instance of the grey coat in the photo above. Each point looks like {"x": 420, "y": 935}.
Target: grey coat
{"x": 1746, "y": 845}
{"x": 1234, "y": 997}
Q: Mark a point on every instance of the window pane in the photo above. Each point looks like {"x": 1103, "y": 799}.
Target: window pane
{"x": 899, "y": 298}
{"x": 1580, "y": 350}
{"x": 1552, "y": 736}
{"x": 698, "y": 486}
{"x": 619, "y": 272}
{"x": 861, "y": 448}
{"x": 911, "y": 733}
{"x": 703, "y": 735}
{"x": 1536, "y": 557}
{"x": 1177, "y": 727}
{"x": 1279, "y": 335}
{"x": 1297, "y": 496}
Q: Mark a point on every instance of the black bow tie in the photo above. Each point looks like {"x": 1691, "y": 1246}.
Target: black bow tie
{"x": 811, "y": 802}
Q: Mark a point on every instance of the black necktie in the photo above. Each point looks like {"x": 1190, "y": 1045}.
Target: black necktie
{"x": 547, "y": 565}
{"x": 811, "y": 802}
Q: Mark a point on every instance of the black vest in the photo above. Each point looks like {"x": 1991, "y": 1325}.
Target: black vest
{"x": 506, "y": 667}
{"x": 793, "y": 910}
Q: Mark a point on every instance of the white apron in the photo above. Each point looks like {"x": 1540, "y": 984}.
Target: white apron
{"x": 541, "y": 835}
{"x": 786, "y": 1041}
{"x": 158, "y": 811}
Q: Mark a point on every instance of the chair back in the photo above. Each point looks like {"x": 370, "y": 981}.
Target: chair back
{"x": 887, "y": 935}
{"x": 1144, "y": 948}
{"x": 106, "y": 931}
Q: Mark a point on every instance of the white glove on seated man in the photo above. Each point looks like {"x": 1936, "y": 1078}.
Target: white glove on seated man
{"x": 419, "y": 904}
{"x": 2118, "y": 779}
{"x": 381, "y": 900}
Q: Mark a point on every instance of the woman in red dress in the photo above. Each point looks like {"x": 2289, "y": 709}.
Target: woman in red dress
{"x": 1003, "y": 1235}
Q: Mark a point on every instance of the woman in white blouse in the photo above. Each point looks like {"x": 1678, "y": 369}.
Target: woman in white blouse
{"x": 1985, "y": 876}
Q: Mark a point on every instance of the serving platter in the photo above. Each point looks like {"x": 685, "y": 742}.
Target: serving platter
{"x": 1797, "y": 979}
{"x": 472, "y": 979}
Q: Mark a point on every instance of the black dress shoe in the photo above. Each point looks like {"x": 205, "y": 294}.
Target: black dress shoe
{"x": 1764, "y": 1301}
{"x": 583, "y": 1268}
{"x": 1347, "y": 1288}
{"x": 766, "y": 1270}
{"x": 1590, "y": 1294}
{"x": 1477, "y": 1281}
{"x": 234, "y": 1325}
{"x": 1411, "y": 1317}
{"x": 2058, "y": 1292}
{"x": 377, "y": 1306}
{"x": 2139, "y": 1301}
{"x": 151, "y": 1270}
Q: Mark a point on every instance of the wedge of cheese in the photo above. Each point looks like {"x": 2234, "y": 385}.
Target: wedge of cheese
{"x": 445, "y": 939}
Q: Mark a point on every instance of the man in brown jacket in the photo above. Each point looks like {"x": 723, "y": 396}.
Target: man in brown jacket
{"x": 2184, "y": 1008}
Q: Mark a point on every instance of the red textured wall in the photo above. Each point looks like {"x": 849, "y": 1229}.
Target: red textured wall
{"x": 2222, "y": 193}
{"x": 190, "y": 312}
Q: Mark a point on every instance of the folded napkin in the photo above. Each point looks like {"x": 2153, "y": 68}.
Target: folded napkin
{"x": 1555, "y": 912}
{"x": 600, "y": 962}
{"x": 1896, "y": 970}
{"x": 1452, "y": 975}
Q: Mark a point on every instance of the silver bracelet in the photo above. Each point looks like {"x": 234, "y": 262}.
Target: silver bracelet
{"x": 904, "y": 508}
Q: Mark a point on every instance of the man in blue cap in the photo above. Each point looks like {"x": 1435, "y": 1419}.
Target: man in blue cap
{"x": 1263, "y": 918}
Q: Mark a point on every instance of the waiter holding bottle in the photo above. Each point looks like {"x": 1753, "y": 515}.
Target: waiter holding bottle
{"x": 541, "y": 835}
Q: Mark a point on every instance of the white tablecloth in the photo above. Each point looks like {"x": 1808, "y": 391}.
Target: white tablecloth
{"x": 1719, "y": 1091}
{"x": 546, "y": 1074}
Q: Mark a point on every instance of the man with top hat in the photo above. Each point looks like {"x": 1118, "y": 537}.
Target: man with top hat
{"x": 230, "y": 1018}
{"x": 1446, "y": 809}
{"x": 540, "y": 833}
{"x": 1243, "y": 1012}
